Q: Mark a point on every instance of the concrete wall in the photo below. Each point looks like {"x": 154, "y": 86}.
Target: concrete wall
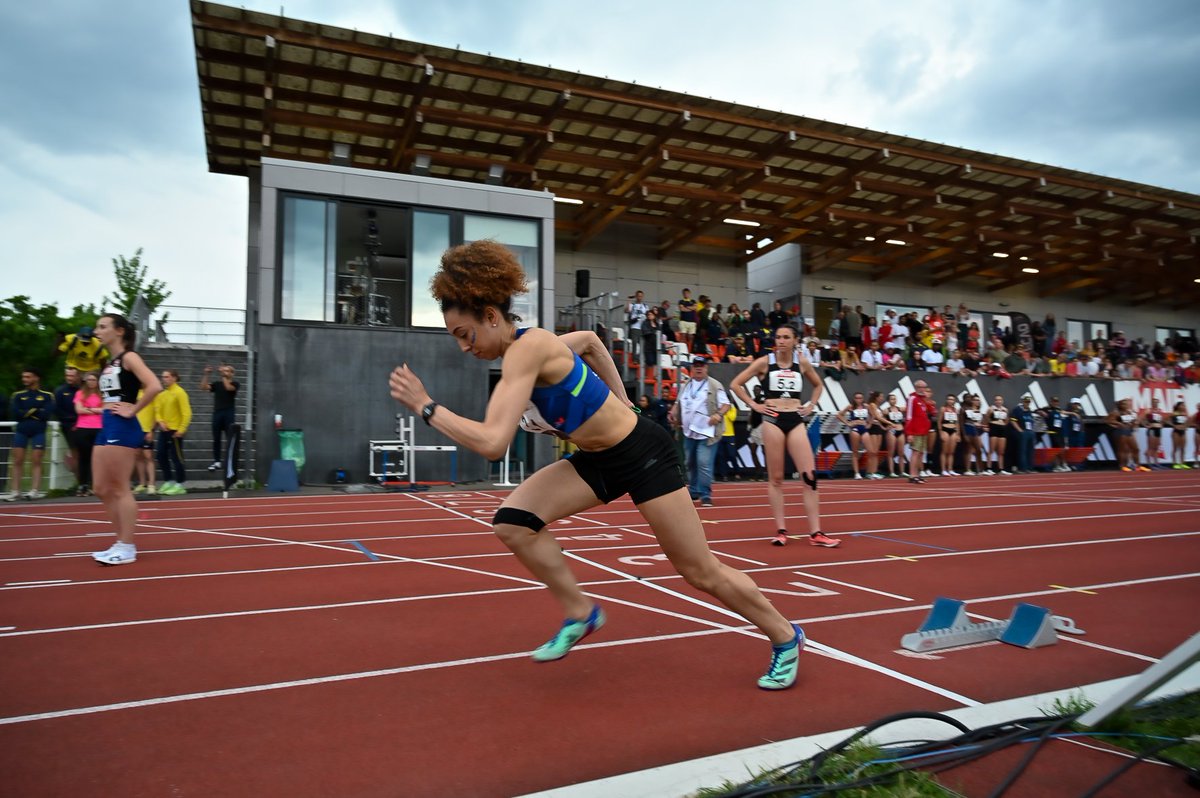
{"x": 624, "y": 258}
{"x": 332, "y": 382}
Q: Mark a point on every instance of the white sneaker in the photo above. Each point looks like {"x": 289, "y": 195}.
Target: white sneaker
{"x": 34, "y": 495}
{"x": 10, "y": 496}
{"x": 117, "y": 554}
{"x": 953, "y": 473}
{"x": 989, "y": 472}
{"x": 214, "y": 465}
{"x": 857, "y": 475}
{"x": 1005, "y": 472}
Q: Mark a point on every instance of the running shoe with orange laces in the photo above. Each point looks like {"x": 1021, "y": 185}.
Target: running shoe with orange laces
{"x": 1143, "y": 468}
{"x": 821, "y": 539}
{"x": 1126, "y": 468}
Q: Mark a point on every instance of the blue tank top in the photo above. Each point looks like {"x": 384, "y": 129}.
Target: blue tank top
{"x": 565, "y": 406}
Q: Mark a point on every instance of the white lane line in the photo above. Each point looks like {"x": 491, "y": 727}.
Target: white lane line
{"x": 855, "y": 587}
{"x": 38, "y": 583}
{"x": 812, "y": 644}
{"x": 212, "y": 616}
{"x": 1054, "y": 502}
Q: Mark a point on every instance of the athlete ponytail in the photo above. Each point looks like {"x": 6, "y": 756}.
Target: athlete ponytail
{"x": 128, "y": 331}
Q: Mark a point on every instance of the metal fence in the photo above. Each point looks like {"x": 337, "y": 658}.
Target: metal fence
{"x": 55, "y": 474}
{"x": 190, "y": 324}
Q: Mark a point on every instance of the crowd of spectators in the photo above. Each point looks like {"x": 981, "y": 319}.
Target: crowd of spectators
{"x": 947, "y": 341}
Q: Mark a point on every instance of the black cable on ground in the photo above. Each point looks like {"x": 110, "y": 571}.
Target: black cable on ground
{"x": 1126, "y": 766}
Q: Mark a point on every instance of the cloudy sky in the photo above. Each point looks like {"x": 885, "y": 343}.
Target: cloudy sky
{"x": 102, "y": 152}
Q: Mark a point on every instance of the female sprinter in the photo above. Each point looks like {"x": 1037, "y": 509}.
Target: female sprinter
{"x": 1179, "y": 426}
{"x": 894, "y": 416}
{"x": 856, "y": 416}
{"x": 120, "y": 439}
{"x": 782, "y": 373}
{"x": 1123, "y": 419}
{"x": 949, "y": 432}
{"x": 997, "y": 424}
{"x": 874, "y": 434}
{"x": 546, "y": 386}
{"x": 972, "y": 435}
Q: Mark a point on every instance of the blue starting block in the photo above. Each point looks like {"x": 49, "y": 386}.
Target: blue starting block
{"x": 946, "y": 626}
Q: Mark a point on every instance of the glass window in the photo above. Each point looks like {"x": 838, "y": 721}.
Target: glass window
{"x": 519, "y": 235}
{"x": 358, "y": 263}
{"x": 372, "y": 265}
{"x": 430, "y": 237}
{"x": 309, "y": 237}
{"x": 1163, "y": 334}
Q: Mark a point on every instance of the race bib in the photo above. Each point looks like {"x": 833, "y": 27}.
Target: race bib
{"x": 110, "y": 384}
{"x": 532, "y": 421}
{"x": 784, "y": 381}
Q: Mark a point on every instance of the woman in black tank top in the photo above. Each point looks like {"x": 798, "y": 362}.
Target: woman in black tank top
{"x": 121, "y": 436}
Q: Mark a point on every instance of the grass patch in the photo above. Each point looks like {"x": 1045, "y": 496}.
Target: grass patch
{"x": 860, "y": 762}
{"x": 1147, "y": 727}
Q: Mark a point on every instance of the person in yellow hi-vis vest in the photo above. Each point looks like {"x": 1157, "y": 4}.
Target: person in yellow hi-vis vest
{"x": 172, "y": 416}
{"x": 143, "y": 467}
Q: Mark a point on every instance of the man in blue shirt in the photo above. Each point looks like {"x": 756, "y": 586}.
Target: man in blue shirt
{"x": 1055, "y": 417}
{"x": 31, "y": 409}
{"x": 1022, "y": 420}
{"x": 1073, "y": 429}
{"x": 64, "y": 411}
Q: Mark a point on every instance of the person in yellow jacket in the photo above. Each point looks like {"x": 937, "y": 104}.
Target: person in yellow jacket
{"x": 143, "y": 468}
{"x": 727, "y": 466}
{"x": 83, "y": 350}
{"x": 172, "y": 416}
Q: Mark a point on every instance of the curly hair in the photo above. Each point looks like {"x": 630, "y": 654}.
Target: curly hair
{"x": 478, "y": 275}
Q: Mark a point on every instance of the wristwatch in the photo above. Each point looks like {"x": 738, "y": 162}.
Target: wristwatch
{"x": 427, "y": 411}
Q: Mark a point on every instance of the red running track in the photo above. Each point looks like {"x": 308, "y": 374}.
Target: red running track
{"x": 254, "y": 649}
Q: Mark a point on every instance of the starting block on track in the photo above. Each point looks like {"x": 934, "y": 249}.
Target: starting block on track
{"x": 946, "y": 626}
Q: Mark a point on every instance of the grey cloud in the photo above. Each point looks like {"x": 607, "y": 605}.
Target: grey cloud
{"x": 92, "y": 77}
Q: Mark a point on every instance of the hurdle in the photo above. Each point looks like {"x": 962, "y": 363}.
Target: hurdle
{"x": 946, "y": 626}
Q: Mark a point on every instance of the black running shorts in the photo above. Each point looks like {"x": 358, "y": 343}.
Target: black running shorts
{"x": 644, "y": 465}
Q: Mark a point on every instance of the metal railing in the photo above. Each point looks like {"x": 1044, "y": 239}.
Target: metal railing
{"x": 55, "y": 474}
{"x": 191, "y": 324}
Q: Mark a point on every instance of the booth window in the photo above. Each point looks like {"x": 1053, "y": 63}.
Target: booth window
{"x": 357, "y": 263}
{"x": 520, "y": 236}
{"x": 309, "y": 238}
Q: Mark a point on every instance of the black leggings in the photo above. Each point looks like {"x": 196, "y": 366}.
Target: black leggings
{"x": 170, "y": 457}
{"x": 85, "y": 441}
{"x": 222, "y": 421}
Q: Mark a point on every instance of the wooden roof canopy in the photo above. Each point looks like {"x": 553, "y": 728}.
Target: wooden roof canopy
{"x": 277, "y": 87}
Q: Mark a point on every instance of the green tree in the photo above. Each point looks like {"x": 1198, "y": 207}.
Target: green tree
{"x": 29, "y": 338}
{"x": 131, "y": 281}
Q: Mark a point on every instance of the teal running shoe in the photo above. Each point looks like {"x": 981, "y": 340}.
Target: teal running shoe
{"x": 785, "y": 664}
{"x": 568, "y": 635}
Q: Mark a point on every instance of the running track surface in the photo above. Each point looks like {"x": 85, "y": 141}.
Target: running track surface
{"x": 377, "y": 645}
